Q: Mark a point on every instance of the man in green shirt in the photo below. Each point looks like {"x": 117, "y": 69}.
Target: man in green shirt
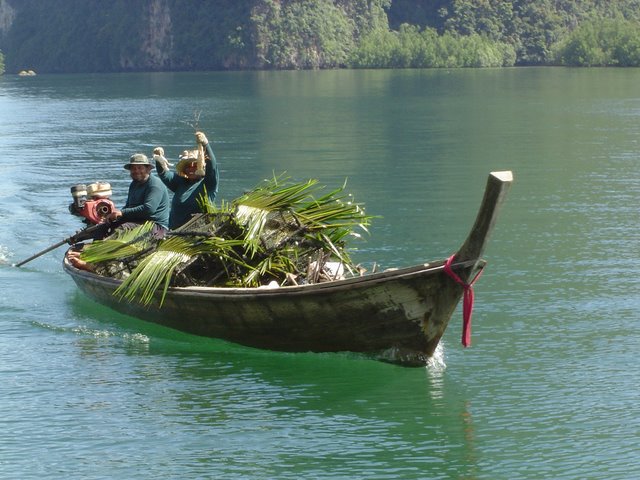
{"x": 188, "y": 183}
{"x": 148, "y": 198}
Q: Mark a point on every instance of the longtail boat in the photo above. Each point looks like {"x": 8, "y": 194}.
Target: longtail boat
{"x": 398, "y": 316}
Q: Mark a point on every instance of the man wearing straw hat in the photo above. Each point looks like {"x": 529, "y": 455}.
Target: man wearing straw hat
{"x": 196, "y": 175}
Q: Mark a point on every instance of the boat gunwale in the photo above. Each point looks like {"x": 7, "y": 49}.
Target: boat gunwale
{"x": 364, "y": 281}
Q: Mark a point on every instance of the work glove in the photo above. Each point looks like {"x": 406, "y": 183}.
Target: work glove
{"x": 161, "y": 163}
{"x": 201, "y": 138}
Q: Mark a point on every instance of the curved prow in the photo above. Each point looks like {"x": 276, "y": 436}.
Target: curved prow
{"x": 495, "y": 192}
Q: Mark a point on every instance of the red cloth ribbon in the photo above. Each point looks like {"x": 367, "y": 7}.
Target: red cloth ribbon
{"x": 467, "y": 303}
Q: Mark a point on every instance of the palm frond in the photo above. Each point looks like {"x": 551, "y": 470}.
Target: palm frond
{"x": 123, "y": 243}
{"x": 276, "y": 194}
{"x": 253, "y": 219}
{"x": 154, "y": 270}
{"x": 157, "y": 268}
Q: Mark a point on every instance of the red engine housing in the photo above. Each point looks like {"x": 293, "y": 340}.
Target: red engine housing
{"x": 92, "y": 202}
{"x": 96, "y": 211}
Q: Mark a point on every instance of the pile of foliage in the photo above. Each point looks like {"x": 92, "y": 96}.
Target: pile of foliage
{"x": 280, "y": 231}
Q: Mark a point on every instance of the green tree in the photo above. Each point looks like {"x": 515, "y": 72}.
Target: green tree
{"x": 302, "y": 34}
{"x": 411, "y": 48}
{"x": 626, "y": 51}
{"x": 601, "y": 42}
{"x": 376, "y": 50}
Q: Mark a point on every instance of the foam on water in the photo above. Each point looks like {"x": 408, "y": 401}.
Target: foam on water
{"x": 4, "y": 254}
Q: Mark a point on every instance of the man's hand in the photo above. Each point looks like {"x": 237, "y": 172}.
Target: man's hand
{"x": 115, "y": 215}
{"x": 201, "y": 138}
{"x": 161, "y": 162}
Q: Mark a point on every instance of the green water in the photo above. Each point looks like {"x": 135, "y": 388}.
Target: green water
{"x": 549, "y": 388}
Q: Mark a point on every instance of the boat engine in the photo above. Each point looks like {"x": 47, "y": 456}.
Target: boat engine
{"x": 92, "y": 202}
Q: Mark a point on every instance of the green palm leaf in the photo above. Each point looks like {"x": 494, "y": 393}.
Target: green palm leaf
{"x": 123, "y": 243}
{"x": 156, "y": 269}
{"x": 152, "y": 272}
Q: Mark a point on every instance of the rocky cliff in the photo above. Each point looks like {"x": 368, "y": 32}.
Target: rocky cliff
{"x": 56, "y": 36}
{"x": 7, "y": 16}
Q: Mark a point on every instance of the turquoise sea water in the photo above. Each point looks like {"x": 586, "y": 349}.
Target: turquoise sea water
{"x": 549, "y": 388}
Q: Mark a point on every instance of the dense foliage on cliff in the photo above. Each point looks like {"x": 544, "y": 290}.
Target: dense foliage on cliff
{"x": 154, "y": 35}
{"x": 601, "y": 42}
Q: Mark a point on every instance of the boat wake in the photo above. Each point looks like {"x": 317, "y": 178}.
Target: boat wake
{"x": 436, "y": 364}
{"x": 4, "y": 255}
{"x": 83, "y": 331}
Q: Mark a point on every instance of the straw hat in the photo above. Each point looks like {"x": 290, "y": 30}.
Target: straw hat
{"x": 186, "y": 158}
{"x": 138, "y": 159}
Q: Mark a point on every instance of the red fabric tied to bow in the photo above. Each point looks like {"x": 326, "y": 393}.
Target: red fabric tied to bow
{"x": 467, "y": 303}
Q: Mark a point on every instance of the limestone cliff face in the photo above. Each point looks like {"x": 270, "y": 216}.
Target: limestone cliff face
{"x": 157, "y": 43}
{"x": 156, "y": 40}
{"x": 79, "y": 36}
{"x": 7, "y": 15}
{"x": 99, "y": 39}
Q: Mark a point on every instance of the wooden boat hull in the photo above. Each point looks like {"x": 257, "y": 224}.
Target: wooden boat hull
{"x": 397, "y": 316}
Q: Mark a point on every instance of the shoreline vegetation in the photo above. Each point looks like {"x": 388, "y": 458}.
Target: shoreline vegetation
{"x": 164, "y": 35}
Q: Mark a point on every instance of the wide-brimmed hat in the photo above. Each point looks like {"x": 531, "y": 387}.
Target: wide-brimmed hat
{"x": 186, "y": 158}
{"x": 138, "y": 159}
